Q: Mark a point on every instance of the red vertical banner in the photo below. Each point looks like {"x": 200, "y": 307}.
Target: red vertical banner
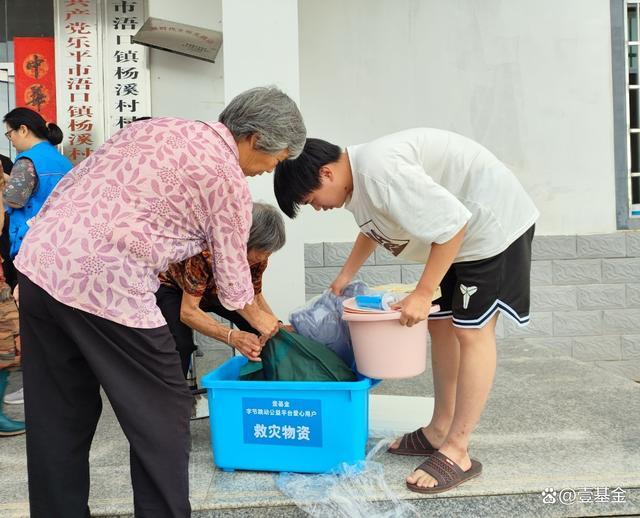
{"x": 34, "y": 64}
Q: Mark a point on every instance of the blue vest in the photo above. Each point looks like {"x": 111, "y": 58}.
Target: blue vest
{"x": 50, "y": 167}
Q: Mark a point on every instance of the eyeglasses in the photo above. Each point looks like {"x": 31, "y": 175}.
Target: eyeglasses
{"x": 7, "y": 133}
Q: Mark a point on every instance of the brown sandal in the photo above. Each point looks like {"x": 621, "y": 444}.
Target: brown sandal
{"x": 414, "y": 444}
{"x": 446, "y": 472}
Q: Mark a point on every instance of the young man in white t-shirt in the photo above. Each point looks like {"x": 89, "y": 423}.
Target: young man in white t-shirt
{"x": 438, "y": 198}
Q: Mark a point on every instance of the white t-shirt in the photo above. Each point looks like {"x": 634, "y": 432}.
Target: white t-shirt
{"x": 420, "y": 186}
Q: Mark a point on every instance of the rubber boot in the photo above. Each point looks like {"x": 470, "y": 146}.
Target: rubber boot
{"x": 7, "y": 426}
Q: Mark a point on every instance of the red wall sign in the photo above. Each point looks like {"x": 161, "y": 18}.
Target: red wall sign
{"x": 34, "y": 64}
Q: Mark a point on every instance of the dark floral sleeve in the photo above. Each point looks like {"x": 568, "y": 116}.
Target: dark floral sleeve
{"x": 21, "y": 184}
{"x": 256, "y": 275}
{"x": 196, "y": 275}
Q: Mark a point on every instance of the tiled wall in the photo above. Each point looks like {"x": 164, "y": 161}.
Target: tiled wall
{"x": 585, "y": 293}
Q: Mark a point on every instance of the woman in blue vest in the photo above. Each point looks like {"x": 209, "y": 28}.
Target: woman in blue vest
{"x": 38, "y": 168}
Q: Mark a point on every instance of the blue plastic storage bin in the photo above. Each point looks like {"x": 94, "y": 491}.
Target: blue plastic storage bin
{"x": 307, "y": 427}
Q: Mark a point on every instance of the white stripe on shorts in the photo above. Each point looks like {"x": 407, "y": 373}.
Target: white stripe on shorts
{"x": 498, "y": 305}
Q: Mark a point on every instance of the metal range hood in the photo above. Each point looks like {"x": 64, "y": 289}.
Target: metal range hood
{"x": 179, "y": 38}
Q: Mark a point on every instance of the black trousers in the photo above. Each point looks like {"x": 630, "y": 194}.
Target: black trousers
{"x": 169, "y": 301}
{"x": 68, "y": 355}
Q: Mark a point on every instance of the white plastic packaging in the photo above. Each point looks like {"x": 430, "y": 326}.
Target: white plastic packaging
{"x": 351, "y": 491}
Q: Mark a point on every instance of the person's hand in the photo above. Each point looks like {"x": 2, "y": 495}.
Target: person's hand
{"x": 266, "y": 324}
{"x": 247, "y": 344}
{"x": 339, "y": 284}
{"x": 16, "y": 295}
{"x": 415, "y": 308}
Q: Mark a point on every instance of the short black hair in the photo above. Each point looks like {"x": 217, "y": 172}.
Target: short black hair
{"x": 295, "y": 179}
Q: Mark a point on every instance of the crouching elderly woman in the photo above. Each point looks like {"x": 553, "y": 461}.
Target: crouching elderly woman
{"x": 188, "y": 292}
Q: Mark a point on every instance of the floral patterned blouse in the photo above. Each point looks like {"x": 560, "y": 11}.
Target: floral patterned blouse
{"x": 157, "y": 192}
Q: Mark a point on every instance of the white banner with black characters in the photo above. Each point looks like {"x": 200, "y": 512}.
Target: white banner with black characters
{"x": 126, "y": 73}
{"x": 78, "y": 77}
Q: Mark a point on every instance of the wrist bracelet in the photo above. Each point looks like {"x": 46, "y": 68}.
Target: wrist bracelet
{"x": 229, "y": 336}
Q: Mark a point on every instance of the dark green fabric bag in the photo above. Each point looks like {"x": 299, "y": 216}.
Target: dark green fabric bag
{"x": 292, "y": 357}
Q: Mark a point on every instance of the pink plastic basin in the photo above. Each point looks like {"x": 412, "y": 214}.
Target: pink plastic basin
{"x": 383, "y": 348}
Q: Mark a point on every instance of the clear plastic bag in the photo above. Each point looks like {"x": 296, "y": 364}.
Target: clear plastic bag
{"x": 351, "y": 491}
{"x": 321, "y": 320}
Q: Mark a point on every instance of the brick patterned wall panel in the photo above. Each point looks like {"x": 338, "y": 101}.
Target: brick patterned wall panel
{"x": 633, "y": 244}
{"x": 555, "y": 346}
{"x": 630, "y": 346}
{"x": 541, "y": 324}
{"x": 593, "y": 348}
{"x": 633, "y": 295}
{"x": 411, "y": 273}
{"x": 601, "y": 296}
{"x": 383, "y": 256}
{"x": 335, "y": 254}
{"x": 621, "y": 270}
{"x": 552, "y": 298}
{"x": 316, "y": 280}
{"x": 577, "y": 323}
{"x": 621, "y": 321}
{"x": 554, "y": 247}
{"x": 375, "y": 275}
{"x": 541, "y": 273}
{"x": 577, "y": 271}
{"x": 313, "y": 255}
{"x": 602, "y": 245}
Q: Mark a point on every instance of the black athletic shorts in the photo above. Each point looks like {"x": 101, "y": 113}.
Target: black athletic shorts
{"x": 473, "y": 291}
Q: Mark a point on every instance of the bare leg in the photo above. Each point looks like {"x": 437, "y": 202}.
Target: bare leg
{"x": 445, "y": 356}
{"x": 475, "y": 377}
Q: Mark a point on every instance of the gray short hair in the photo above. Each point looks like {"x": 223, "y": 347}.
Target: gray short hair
{"x": 271, "y": 115}
{"x": 267, "y": 229}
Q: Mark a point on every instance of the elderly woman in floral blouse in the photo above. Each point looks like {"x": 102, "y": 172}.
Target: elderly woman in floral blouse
{"x": 157, "y": 192}
{"x": 188, "y": 292}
